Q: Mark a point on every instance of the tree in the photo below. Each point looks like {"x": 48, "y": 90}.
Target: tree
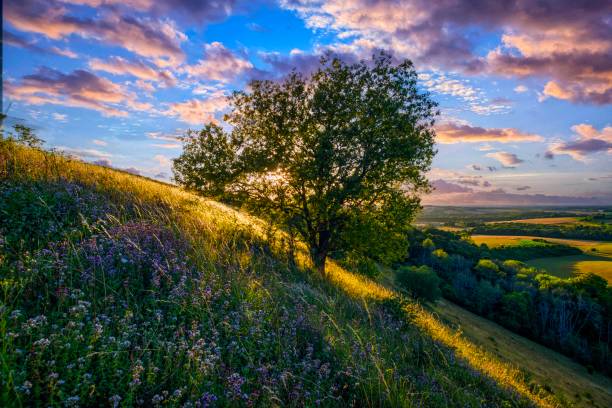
{"x": 339, "y": 157}
{"x": 420, "y": 282}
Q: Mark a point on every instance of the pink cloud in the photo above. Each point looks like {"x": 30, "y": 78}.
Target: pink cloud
{"x": 218, "y": 64}
{"x": 77, "y": 89}
{"x": 505, "y": 158}
{"x": 450, "y": 133}
{"x": 198, "y": 111}
{"x": 589, "y": 141}
{"x": 138, "y": 69}
{"x": 150, "y": 38}
{"x": 563, "y": 41}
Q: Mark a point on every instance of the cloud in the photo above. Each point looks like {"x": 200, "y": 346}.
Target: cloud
{"x": 164, "y": 136}
{"x": 198, "y": 111}
{"x": 99, "y": 142}
{"x": 162, "y": 160}
{"x": 60, "y": 117}
{"x": 77, "y": 89}
{"x": 520, "y": 89}
{"x": 505, "y": 158}
{"x": 589, "y": 141}
{"x": 218, "y": 64}
{"x": 131, "y": 170}
{"x": 576, "y": 58}
{"x": 14, "y": 40}
{"x": 167, "y": 145}
{"x": 523, "y": 188}
{"x": 151, "y": 38}
{"x": 475, "y": 167}
{"x": 565, "y": 42}
{"x": 256, "y": 27}
{"x": 443, "y": 187}
{"x": 474, "y": 98}
{"x": 138, "y": 69}
{"x": 85, "y": 154}
{"x": 103, "y": 162}
{"x": 450, "y": 133}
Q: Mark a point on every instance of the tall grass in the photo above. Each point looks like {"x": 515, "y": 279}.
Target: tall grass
{"x": 118, "y": 290}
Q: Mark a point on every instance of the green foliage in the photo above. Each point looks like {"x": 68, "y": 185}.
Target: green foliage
{"x": 533, "y": 248}
{"x": 487, "y": 269}
{"x": 327, "y": 156}
{"x": 570, "y": 315}
{"x": 515, "y": 309}
{"x": 22, "y": 134}
{"x": 420, "y": 282}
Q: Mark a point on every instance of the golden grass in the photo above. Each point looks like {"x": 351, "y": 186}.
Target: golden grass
{"x": 194, "y": 215}
{"x": 504, "y": 373}
{"x": 601, "y": 268}
{"x": 546, "y": 366}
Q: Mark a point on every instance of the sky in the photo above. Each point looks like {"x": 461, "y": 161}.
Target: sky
{"x": 524, "y": 87}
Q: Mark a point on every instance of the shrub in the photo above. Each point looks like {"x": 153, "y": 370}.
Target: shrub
{"x": 420, "y": 282}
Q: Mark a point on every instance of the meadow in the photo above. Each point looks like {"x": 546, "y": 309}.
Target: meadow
{"x": 121, "y": 291}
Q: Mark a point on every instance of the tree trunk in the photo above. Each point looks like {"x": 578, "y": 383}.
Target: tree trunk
{"x": 320, "y": 250}
{"x": 318, "y": 258}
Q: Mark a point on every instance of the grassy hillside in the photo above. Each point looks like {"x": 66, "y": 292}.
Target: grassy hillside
{"x": 121, "y": 291}
{"x": 557, "y": 372}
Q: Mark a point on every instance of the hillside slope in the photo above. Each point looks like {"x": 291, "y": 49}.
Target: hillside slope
{"x": 545, "y": 366}
{"x": 121, "y": 291}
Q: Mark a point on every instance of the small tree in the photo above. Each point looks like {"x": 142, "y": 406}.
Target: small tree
{"x": 420, "y": 282}
{"x": 337, "y": 157}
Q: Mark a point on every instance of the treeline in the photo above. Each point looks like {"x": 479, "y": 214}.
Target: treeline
{"x": 532, "y": 249}
{"x": 576, "y": 231}
{"x": 572, "y": 315}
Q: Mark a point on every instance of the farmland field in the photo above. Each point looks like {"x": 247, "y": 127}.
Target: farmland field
{"x": 597, "y": 256}
{"x": 566, "y": 266}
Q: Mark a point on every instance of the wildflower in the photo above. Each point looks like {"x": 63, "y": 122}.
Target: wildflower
{"x": 42, "y": 343}
{"x": 25, "y": 387}
{"x": 235, "y": 382}
{"x": 206, "y": 400}
{"x": 114, "y": 400}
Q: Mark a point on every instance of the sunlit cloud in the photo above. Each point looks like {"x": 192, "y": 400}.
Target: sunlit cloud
{"x": 505, "y": 158}
{"x": 218, "y": 64}
{"x": 589, "y": 141}
{"x": 450, "y": 133}
{"x": 198, "y": 111}
{"x": 121, "y": 66}
{"x": 151, "y": 38}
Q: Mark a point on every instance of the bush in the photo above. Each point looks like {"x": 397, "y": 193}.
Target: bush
{"x": 420, "y": 282}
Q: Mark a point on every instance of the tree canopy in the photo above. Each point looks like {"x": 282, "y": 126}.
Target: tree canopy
{"x": 337, "y": 157}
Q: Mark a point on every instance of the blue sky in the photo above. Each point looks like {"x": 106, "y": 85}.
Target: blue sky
{"x": 525, "y": 87}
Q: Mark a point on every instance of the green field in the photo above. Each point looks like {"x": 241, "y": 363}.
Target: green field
{"x": 597, "y": 256}
{"x": 566, "y": 266}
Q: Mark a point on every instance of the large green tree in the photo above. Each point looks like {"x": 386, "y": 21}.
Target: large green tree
{"x": 337, "y": 157}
